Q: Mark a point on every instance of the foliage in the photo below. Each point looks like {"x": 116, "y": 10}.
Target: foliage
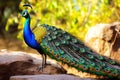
{"x": 73, "y": 16}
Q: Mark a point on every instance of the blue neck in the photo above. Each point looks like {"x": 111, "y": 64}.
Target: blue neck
{"x": 29, "y": 36}
{"x": 27, "y": 31}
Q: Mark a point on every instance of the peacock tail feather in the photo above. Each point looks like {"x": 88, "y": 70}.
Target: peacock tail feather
{"x": 64, "y": 47}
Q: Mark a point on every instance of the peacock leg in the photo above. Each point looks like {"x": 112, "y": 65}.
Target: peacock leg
{"x": 45, "y": 59}
{"x": 43, "y": 62}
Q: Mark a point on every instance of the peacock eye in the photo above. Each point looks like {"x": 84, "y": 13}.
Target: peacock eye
{"x": 25, "y": 13}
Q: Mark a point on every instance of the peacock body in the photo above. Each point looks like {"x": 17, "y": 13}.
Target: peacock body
{"x": 63, "y": 47}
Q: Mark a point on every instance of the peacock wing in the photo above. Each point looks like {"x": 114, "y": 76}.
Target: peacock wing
{"x": 39, "y": 32}
{"x": 64, "y": 47}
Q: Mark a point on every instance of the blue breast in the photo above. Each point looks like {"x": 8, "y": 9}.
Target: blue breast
{"x": 29, "y": 36}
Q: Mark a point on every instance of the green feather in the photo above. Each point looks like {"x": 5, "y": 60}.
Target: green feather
{"x": 65, "y": 48}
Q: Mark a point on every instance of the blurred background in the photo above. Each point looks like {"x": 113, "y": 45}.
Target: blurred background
{"x": 73, "y": 16}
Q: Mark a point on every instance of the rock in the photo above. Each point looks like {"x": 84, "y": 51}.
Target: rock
{"x": 105, "y": 39}
{"x": 21, "y": 63}
{"x": 48, "y": 77}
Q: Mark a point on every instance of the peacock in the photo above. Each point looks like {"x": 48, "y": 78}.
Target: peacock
{"x": 66, "y": 48}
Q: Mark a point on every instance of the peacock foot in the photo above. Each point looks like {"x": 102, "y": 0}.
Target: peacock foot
{"x": 40, "y": 68}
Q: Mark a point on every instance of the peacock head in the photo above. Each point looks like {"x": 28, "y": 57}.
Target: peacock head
{"x": 25, "y": 12}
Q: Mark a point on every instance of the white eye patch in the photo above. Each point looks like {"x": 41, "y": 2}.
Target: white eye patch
{"x": 25, "y": 14}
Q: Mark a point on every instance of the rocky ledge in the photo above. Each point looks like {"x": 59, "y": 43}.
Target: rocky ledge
{"x": 48, "y": 77}
{"x": 21, "y": 63}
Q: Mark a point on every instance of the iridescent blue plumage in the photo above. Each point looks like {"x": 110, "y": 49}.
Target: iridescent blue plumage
{"x": 28, "y": 35}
